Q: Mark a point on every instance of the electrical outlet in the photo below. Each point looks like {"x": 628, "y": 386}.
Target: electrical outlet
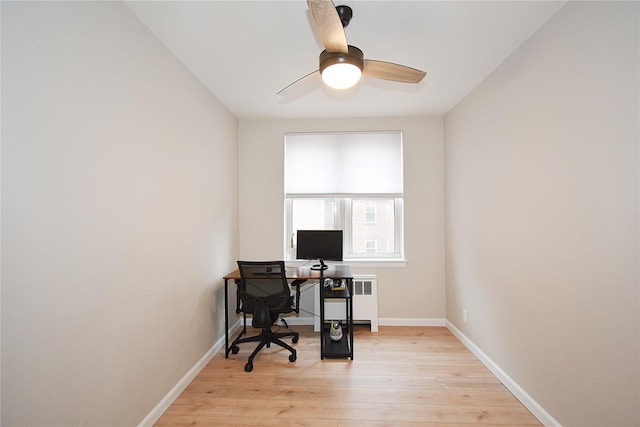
{"x": 465, "y": 316}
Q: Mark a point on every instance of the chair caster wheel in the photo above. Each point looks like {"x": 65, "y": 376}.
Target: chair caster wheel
{"x": 292, "y": 358}
{"x": 235, "y": 349}
{"x": 248, "y": 367}
{"x": 294, "y": 339}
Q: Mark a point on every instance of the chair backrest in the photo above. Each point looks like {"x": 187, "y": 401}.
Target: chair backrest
{"x": 264, "y": 287}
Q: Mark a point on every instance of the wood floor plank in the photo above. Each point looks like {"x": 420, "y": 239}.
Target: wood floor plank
{"x": 336, "y": 410}
{"x": 363, "y": 381}
{"x": 351, "y": 423}
{"x": 487, "y": 384}
{"x": 482, "y": 415}
{"x": 400, "y": 376}
{"x": 218, "y": 421}
{"x": 184, "y": 406}
{"x": 414, "y": 369}
{"x": 260, "y": 391}
{"x": 429, "y": 397}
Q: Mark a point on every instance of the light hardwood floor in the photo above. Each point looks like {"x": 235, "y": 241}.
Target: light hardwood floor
{"x": 400, "y": 376}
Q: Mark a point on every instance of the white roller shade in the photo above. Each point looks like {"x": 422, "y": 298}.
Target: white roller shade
{"x": 343, "y": 163}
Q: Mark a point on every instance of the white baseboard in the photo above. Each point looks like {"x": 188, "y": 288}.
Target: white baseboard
{"x": 295, "y": 320}
{"x": 411, "y": 322}
{"x": 534, "y": 407}
{"x": 382, "y": 322}
{"x": 173, "y": 394}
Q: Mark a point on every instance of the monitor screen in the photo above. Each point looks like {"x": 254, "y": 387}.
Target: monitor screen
{"x": 323, "y": 245}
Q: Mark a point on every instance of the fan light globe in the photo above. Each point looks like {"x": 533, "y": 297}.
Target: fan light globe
{"x": 341, "y": 76}
{"x": 341, "y": 70}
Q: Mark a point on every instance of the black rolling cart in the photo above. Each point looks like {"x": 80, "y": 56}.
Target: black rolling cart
{"x": 336, "y": 275}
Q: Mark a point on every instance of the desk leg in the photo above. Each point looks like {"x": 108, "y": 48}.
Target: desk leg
{"x": 226, "y": 318}
{"x": 350, "y": 288}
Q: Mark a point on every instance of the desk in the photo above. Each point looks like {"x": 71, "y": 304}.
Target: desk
{"x": 294, "y": 274}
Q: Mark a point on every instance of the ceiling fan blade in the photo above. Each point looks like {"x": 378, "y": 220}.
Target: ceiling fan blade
{"x": 328, "y": 25}
{"x": 287, "y": 88}
{"x": 394, "y": 72}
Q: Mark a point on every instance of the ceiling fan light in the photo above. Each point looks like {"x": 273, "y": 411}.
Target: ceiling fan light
{"x": 341, "y": 76}
{"x": 341, "y": 70}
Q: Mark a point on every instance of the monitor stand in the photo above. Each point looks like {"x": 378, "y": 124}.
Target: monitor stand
{"x": 321, "y": 266}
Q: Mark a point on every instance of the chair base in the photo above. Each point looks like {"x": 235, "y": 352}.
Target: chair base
{"x": 265, "y": 338}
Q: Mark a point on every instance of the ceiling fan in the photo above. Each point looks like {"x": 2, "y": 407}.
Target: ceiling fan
{"x": 342, "y": 65}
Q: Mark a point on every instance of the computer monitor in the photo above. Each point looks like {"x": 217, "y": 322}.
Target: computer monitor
{"x": 323, "y": 245}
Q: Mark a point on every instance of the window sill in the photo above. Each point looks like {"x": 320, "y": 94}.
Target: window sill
{"x": 386, "y": 263}
{"x": 378, "y": 263}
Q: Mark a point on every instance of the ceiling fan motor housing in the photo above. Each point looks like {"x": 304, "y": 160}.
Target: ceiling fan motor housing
{"x": 345, "y": 13}
{"x": 354, "y": 57}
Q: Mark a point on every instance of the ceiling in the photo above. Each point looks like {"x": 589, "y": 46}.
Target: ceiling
{"x": 246, "y": 51}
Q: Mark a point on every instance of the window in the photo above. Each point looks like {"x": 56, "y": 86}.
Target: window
{"x": 350, "y": 181}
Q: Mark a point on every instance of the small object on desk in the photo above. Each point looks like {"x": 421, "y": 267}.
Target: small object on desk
{"x": 338, "y": 285}
{"x": 335, "y": 333}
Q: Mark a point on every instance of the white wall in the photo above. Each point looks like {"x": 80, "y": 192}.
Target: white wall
{"x": 542, "y": 215}
{"x": 119, "y": 215}
{"x": 415, "y": 292}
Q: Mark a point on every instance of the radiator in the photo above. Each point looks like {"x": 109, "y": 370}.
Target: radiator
{"x": 365, "y": 303}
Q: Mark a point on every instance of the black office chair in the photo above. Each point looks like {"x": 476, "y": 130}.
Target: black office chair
{"x": 264, "y": 293}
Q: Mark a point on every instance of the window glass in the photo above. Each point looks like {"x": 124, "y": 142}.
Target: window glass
{"x": 313, "y": 214}
{"x": 366, "y": 233}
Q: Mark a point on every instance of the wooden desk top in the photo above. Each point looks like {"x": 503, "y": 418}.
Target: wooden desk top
{"x": 337, "y": 271}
